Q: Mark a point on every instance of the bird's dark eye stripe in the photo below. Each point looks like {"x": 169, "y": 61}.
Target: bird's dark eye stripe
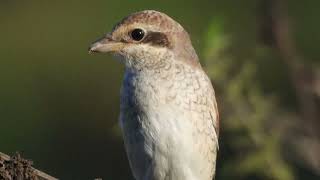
{"x": 157, "y": 39}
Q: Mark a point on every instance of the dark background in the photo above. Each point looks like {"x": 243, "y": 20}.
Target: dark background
{"x": 60, "y": 106}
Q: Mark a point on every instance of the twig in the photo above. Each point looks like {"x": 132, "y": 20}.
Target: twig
{"x": 39, "y": 174}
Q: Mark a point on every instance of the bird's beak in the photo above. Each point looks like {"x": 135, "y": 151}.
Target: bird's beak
{"x": 105, "y": 44}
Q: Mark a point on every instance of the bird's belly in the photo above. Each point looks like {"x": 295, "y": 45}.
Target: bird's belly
{"x": 162, "y": 145}
{"x": 164, "y": 140}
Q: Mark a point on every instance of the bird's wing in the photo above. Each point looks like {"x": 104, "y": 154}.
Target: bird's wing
{"x": 208, "y": 103}
{"x": 197, "y": 97}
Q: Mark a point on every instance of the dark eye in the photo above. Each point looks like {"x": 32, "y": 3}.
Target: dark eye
{"x": 137, "y": 34}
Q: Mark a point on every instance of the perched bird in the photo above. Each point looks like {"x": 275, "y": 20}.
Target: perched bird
{"x": 168, "y": 113}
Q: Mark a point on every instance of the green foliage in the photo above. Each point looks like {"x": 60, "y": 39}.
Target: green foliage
{"x": 246, "y": 113}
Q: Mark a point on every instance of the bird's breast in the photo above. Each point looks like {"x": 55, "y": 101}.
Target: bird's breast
{"x": 167, "y": 119}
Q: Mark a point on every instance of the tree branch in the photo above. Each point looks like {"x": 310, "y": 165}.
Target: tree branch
{"x": 16, "y": 167}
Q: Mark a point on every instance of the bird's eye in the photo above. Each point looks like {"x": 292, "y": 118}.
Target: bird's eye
{"x": 137, "y": 34}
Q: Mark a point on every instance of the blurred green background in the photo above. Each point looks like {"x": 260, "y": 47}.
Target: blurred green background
{"x": 60, "y": 106}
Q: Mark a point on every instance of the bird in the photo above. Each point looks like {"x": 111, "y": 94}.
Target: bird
{"x": 168, "y": 110}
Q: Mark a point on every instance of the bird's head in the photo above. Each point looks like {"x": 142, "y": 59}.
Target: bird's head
{"x": 145, "y": 38}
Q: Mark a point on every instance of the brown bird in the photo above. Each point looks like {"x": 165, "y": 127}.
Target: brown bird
{"x": 169, "y": 115}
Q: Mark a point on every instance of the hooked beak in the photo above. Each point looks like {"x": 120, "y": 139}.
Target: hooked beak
{"x": 105, "y": 44}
